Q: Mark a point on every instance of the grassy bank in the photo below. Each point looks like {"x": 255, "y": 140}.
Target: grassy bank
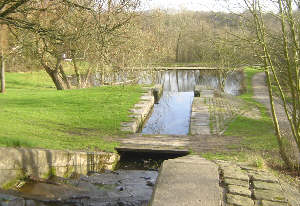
{"x": 34, "y": 114}
{"x": 256, "y": 134}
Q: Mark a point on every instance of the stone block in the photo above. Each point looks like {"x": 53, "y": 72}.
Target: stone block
{"x": 239, "y": 190}
{"x": 235, "y": 173}
{"x": 263, "y": 177}
{"x": 267, "y": 186}
{"x": 238, "y": 200}
{"x": 129, "y": 126}
{"x": 270, "y": 195}
{"x": 242, "y": 183}
{"x": 270, "y": 203}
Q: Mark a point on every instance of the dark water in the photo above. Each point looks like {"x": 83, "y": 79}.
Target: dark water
{"x": 143, "y": 160}
{"x": 121, "y": 187}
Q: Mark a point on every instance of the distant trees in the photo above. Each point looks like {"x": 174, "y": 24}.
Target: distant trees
{"x": 112, "y": 34}
{"x": 194, "y": 37}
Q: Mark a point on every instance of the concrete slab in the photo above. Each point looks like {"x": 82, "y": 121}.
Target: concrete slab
{"x": 165, "y": 144}
{"x": 187, "y": 181}
{"x": 203, "y": 130}
{"x": 200, "y": 117}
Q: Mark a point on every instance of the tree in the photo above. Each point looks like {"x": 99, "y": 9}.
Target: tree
{"x": 280, "y": 56}
{"x": 46, "y": 30}
{"x": 3, "y": 53}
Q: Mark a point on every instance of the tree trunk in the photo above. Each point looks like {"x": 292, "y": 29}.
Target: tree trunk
{"x": 282, "y": 151}
{"x": 2, "y": 74}
{"x": 177, "y": 47}
{"x": 84, "y": 84}
{"x": 64, "y": 77}
{"x": 78, "y": 77}
{"x": 56, "y": 80}
{"x": 55, "y": 77}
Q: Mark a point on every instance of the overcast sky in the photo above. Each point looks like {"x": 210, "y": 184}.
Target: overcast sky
{"x": 197, "y": 5}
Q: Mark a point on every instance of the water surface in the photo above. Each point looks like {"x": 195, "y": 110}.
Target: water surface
{"x": 171, "y": 115}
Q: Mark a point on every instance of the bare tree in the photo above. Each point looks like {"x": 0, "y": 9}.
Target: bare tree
{"x": 280, "y": 58}
{"x": 46, "y": 30}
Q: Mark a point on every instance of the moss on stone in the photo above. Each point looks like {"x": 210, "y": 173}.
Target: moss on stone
{"x": 11, "y": 183}
{"x": 50, "y": 173}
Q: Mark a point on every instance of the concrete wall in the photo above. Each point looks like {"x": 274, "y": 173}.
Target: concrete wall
{"x": 16, "y": 163}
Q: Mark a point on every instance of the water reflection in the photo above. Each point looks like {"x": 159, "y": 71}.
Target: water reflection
{"x": 185, "y": 80}
{"x": 173, "y": 80}
{"x": 171, "y": 115}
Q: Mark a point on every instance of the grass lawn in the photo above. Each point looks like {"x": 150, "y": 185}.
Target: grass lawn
{"x": 34, "y": 114}
{"x": 257, "y": 135}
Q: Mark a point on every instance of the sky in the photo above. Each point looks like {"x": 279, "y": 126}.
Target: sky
{"x": 203, "y": 5}
{"x": 198, "y": 5}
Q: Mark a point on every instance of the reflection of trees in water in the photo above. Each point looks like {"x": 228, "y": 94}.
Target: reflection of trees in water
{"x": 176, "y": 80}
{"x": 234, "y": 83}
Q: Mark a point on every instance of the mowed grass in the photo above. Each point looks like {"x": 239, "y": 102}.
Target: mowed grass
{"x": 257, "y": 135}
{"x": 34, "y": 114}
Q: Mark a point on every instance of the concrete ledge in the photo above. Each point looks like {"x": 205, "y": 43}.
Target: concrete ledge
{"x": 189, "y": 180}
{"x": 153, "y": 150}
{"x": 19, "y": 162}
{"x": 142, "y": 109}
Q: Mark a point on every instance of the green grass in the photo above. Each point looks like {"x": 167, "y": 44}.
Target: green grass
{"x": 34, "y": 114}
{"x": 257, "y": 135}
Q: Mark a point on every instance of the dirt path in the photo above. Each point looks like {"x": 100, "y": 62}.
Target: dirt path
{"x": 260, "y": 91}
{"x": 261, "y": 95}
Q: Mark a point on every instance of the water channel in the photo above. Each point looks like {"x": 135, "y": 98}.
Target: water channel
{"x": 172, "y": 114}
{"x": 132, "y": 183}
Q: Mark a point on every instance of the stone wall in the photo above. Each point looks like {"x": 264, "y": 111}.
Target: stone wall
{"x": 16, "y": 163}
{"x": 249, "y": 186}
{"x": 142, "y": 109}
